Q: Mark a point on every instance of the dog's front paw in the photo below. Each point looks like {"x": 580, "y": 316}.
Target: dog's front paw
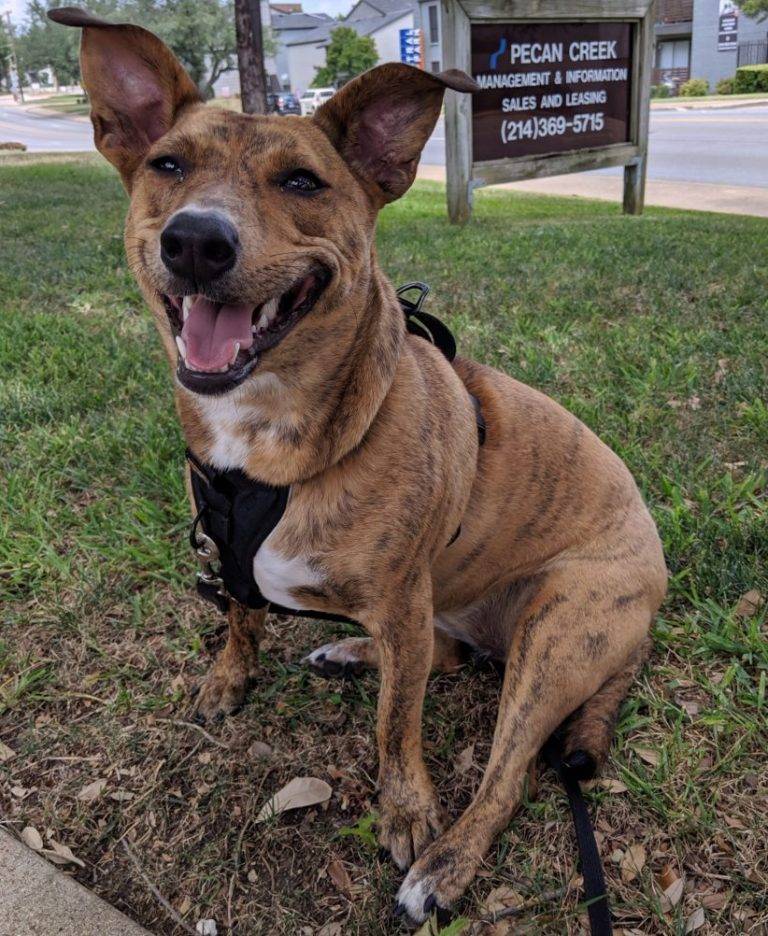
{"x": 437, "y": 880}
{"x": 411, "y": 818}
{"x": 345, "y": 658}
{"x": 222, "y": 692}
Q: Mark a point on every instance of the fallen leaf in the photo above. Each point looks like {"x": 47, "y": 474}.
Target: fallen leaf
{"x": 465, "y": 760}
{"x": 6, "y": 753}
{"x": 748, "y": 604}
{"x": 695, "y": 920}
{"x": 61, "y": 854}
{"x": 672, "y": 895}
{"x": 121, "y": 796}
{"x": 92, "y": 791}
{"x": 330, "y": 929}
{"x": 259, "y": 751}
{"x": 32, "y": 838}
{"x": 500, "y": 898}
{"x": 648, "y": 755}
{"x": 206, "y": 928}
{"x": 734, "y": 823}
{"x": 714, "y": 901}
{"x": 299, "y": 792}
{"x": 185, "y": 906}
{"x": 668, "y": 877}
{"x": 252, "y": 876}
{"x": 341, "y": 879}
{"x": 612, "y": 785}
{"x": 20, "y": 792}
{"x": 632, "y": 863}
{"x": 204, "y": 758}
{"x": 692, "y": 708}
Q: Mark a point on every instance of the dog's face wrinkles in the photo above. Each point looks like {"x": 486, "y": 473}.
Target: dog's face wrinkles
{"x": 251, "y": 237}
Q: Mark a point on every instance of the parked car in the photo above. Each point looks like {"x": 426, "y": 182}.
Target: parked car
{"x": 313, "y": 98}
{"x": 283, "y": 103}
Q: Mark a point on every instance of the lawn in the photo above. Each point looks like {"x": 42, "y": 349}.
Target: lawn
{"x": 652, "y": 330}
{"x": 72, "y": 104}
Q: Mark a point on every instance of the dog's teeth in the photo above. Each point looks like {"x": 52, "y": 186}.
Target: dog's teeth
{"x": 263, "y": 322}
{"x": 182, "y": 348}
{"x": 235, "y": 353}
{"x": 269, "y": 310}
{"x": 185, "y": 306}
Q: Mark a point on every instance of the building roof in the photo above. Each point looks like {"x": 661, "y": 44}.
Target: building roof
{"x": 363, "y": 27}
{"x": 385, "y": 7}
{"x": 287, "y": 22}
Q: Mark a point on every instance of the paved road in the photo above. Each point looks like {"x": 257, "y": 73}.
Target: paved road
{"x": 42, "y": 132}
{"x": 717, "y": 146}
{"x": 724, "y": 146}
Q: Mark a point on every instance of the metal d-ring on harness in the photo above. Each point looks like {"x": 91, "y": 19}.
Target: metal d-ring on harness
{"x": 235, "y": 514}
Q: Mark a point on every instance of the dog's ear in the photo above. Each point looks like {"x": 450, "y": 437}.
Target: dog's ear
{"x": 135, "y": 84}
{"x": 380, "y": 121}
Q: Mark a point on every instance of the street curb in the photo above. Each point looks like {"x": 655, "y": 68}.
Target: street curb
{"x": 36, "y": 899}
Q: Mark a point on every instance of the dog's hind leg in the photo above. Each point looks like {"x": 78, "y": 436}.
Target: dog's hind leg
{"x": 352, "y": 655}
{"x": 224, "y": 689}
{"x": 565, "y": 646}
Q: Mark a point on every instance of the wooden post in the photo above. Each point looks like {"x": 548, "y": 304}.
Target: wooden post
{"x": 250, "y": 56}
{"x": 458, "y": 115}
{"x": 635, "y": 171}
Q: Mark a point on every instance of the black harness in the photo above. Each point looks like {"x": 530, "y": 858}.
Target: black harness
{"x": 235, "y": 515}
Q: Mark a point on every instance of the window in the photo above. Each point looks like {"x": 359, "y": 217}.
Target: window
{"x": 434, "y": 26}
{"x": 435, "y": 66}
{"x": 674, "y": 54}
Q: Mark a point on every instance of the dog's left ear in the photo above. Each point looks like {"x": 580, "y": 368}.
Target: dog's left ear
{"x": 380, "y": 121}
{"x": 135, "y": 84}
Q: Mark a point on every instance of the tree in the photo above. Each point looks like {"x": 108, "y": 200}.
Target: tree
{"x": 755, "y": 8}
{"x": 250, "y": 56}
{"x": 202, "y": 35}
{"x": 5, "y": 55}
{"x": 44, "y": 44}
{"x": 347, "y": 55}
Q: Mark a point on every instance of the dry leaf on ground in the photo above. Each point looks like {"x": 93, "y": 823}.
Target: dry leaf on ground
{"x": 341, "y": 879}
{"x": 299, "y": 792}
{"x": 6, "y": 753}
{"x": 465, "y": 760}
{"x": 695, "y": 920}
{"x": 32, "y": 838}
{"x": 61, "y": 854}
{"x": 632, "y": 863}
{"x": 500, "y": 898}
{"x": 92, "y": 791}
{"x": 748, "y": 604}
{"x": 668, "y": 876}
{"x": 714, "y": 901}
{"x": 648, "y": 755}
{"x": 206, "y": 927}
{"x": 672, "y": 895}
{"x": 612, "y": 785}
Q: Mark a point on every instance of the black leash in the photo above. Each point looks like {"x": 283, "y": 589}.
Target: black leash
{"x": 589, "y": 856}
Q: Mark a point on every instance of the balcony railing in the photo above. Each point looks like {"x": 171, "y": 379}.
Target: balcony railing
{"x": 673, "y": 77}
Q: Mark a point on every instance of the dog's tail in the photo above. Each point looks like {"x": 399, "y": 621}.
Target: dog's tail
{"x": 588, "y": 733}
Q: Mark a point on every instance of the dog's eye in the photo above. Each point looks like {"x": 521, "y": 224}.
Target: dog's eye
{"x": 301, "y": 181}
{"x": 167, "y": 164}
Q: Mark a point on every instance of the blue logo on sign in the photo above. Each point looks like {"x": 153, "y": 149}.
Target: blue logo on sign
{"x": 494, "y": 61}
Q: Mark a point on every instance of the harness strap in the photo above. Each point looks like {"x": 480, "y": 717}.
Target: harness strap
{"x": 589, "y": 856}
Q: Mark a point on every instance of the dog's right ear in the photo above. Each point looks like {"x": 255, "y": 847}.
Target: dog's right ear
{"x": 135, "y": 84}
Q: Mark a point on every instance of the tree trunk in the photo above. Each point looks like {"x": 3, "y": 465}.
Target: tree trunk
{"x": 250, "y": 56}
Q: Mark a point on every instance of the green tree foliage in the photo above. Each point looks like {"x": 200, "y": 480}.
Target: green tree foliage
{"x": 5, "y": 56}
{"x": 346, "y": 56}
{"x": 202, "y": 34}
{"x": 755, "y": 8}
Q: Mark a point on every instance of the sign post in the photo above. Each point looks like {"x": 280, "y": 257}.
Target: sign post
{"x": 564, "y": 87}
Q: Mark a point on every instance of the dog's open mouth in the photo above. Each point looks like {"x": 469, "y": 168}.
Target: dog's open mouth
{"x": 219, "y": 343}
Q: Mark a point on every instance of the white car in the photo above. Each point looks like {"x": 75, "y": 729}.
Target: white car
{"x": 313, "y": 98}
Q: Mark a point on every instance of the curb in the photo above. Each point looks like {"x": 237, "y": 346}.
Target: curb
{"x": 38, "y": 900}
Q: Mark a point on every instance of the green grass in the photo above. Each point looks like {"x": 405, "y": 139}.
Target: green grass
{"x": 653, "y": 330}
{"x": 74, "y": 104}
{"x": 679, "y": 99}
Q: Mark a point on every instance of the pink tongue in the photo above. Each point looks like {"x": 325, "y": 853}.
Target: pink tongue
{"x": 210, "y": 333}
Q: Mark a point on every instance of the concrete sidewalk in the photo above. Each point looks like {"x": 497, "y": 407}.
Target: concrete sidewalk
{"x": 36, "y": 899}
{"x": 694, "y": 196}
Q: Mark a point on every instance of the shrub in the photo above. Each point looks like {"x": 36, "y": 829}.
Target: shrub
{"x": 725, "y": 86}
{"x": 751, "y": 78}
{"x": 694, "y": 87}
{"x": 660, "y": 91}
{"x": 21, "y": 147}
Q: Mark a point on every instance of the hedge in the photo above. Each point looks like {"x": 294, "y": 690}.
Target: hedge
{"x": 750, "y": 78}
{"x": 694, "y": 87}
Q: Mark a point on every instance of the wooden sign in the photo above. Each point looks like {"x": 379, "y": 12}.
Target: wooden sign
{"x": 564, "y": 87}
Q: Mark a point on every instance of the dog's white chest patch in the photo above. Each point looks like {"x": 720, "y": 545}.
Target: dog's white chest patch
{"x": 277, "y": 576}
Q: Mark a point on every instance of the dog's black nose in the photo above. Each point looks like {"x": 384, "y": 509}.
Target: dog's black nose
{"x": 198, "y": 245}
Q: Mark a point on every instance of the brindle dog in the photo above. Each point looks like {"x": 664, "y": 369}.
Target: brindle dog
{"x": 253, "y": 241}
